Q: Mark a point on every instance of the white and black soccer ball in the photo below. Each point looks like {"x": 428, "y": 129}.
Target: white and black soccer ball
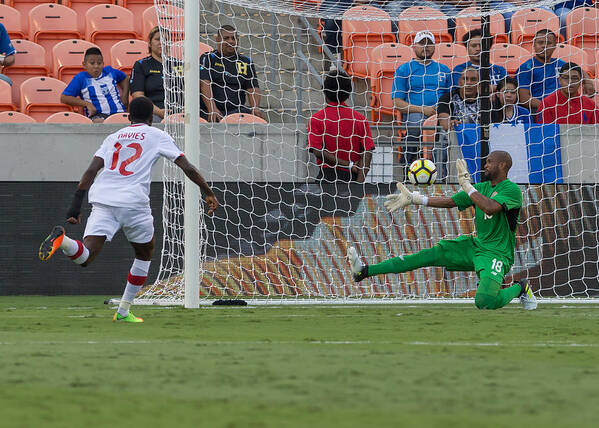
{"x": 422, "y": 172}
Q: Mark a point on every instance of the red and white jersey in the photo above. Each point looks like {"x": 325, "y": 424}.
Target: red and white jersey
{"x": 129, "y": 155}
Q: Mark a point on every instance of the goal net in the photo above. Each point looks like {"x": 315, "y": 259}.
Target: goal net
{"x": 284, "y": 226}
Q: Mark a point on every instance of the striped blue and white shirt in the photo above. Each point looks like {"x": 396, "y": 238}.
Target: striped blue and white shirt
{"x": 102, "y": 91}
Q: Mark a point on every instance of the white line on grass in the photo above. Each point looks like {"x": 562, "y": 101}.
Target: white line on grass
{"x": 311, "y": 342}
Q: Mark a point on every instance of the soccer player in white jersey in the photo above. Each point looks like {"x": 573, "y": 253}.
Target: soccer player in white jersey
{"x": 119, "y": 197}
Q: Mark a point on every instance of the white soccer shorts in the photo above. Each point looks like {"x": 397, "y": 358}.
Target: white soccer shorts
{"x": 137, "y": 223}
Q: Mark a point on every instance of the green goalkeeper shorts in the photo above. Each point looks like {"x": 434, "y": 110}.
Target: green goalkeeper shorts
{"x": 461, "y": 254}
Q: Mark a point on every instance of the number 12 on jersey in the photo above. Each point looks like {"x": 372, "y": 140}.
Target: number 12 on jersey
{"x": 123, "y": 165}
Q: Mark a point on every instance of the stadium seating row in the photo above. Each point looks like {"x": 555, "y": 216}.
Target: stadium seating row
{"x": 70, "y": 117}
{"x": 102, "y": 24}
{"x": 361, "y": 36}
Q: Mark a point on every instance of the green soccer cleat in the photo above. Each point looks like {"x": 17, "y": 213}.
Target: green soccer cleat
{"x": 128, "y": 318}
{"x": 527, "y": 299}
{"x": 51, "y": 243}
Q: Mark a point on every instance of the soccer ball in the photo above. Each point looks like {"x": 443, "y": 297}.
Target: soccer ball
{"x": 422, "y": 171}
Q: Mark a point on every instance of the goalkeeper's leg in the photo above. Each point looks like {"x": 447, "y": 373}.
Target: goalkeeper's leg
{"x": 427, "y": 257}
{"x": 490, "y": 295}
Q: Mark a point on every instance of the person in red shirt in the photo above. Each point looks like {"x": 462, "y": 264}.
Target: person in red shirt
{"x": 338, "y": 136}
{"x": 567, "y": 105}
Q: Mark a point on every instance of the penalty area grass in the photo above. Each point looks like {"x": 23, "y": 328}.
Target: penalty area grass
{"x": 65, "y": 363}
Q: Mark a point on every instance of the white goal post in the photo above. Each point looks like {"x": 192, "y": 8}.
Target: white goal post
{"x": 281, "y": 233}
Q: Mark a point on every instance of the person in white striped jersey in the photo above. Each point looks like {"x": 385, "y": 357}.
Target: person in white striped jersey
{"x": 97, "y": 88}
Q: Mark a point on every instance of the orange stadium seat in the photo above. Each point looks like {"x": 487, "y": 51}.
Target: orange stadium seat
{"x": 82, "y": 6}
{"x": 508, "y": 56}
{"x": 582, "y": 28}
{"x": 179, "y": 118}
{"x": 11, "y": 18}
{"x": 428, "y": 136}
{"x": 469, "y": 19}
{"x": 526, "y": 22}
{"x": 138, "y": 7}
{"x": 30, "y": 60}
{"x": 571, "y": 53}
{"x": 108, "y": 24}
{"x": 242, "y": 118}
{"x": 52, "y": 23}
{"x": 6, "y": 97}
{"x": 169, "y": 16}
{"x": 68, "y": 58}
{"x": 24, "y": 6}
{"x": 68, "y": 117}
{"x": 124, "y": 54}
{"x": 40, "y": 97}
{"x": 409, "y": 26}
{"x": 360, "y": 36}
{"x": 384, "y": 60}
{"x": 15, "y": 117}
{"x": 450, "y": 54}
{"x": 118, "y": 118}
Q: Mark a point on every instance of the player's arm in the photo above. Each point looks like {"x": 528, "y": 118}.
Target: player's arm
{"x": 74, "y": 212}
{"x": 487, "y": 205}
{"x": 440, "y": 202}
{"x": 194, "y": 175}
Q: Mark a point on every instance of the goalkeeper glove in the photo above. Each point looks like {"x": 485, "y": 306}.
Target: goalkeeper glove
{"x": 464, "y": 176}
{"x": 403, "y": 198}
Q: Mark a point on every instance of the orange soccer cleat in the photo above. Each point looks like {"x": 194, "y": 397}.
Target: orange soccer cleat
{"x": 51, "y": 243}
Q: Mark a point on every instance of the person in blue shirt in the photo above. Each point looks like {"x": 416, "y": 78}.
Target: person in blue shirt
{"x": 472, "y": 40}
{"x": 505, "y": 107}
{"x": 538, "y": 77}
{"x": 97, "y": 88}
{"x": 7, "y": 53}
{"x": 417, "y": 87}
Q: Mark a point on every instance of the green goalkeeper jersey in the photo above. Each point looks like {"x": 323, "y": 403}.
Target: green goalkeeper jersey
{"x": 495, "y": 233}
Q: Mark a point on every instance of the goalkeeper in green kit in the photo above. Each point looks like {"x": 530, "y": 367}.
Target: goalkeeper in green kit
{"x": 490, "y": 254}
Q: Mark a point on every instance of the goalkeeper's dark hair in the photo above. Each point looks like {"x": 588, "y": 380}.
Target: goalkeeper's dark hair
{"x": 571, "y": 66}
{"x": 497, "y": 111}
{"x": 141, "y": 110}
{"x": 337, "y": 86}
{"x": 92, "y": 51}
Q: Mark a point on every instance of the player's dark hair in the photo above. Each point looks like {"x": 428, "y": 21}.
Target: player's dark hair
{"x": 471, "y": 34}
{"x": 337, "y": 86}
{"x": 226, "y": 27}
{"x": 571, "y": 66}
{"x": 92, "y": 51}
{"x": 546, "y": 31}
{"x": 497, "y": 110}
{"x": 141, "y": 110}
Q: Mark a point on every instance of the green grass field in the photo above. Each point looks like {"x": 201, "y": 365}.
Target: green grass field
{"x": 65, "y": 364}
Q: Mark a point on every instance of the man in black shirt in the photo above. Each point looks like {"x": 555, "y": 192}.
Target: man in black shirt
{"x": 147, "y": 75}
{"x": 225, "y": 79}
{"x": 462, "y": 105}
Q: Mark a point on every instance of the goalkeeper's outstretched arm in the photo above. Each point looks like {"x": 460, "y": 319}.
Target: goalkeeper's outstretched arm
{"x": 440, "y": 202}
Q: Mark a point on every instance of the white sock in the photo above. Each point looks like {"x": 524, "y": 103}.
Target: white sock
{"x": 74, "y": 249}
{"x": 136, "y": 279}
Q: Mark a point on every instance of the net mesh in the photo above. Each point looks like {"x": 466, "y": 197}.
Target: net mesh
{"x": 283, "y": 231}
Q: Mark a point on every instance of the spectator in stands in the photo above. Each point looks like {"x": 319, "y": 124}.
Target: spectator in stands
{"x": 7, "y": 53}
{"x": 505, "y": 107}
{"x": 567, "y": 105}
{"x": 97, "y": 88}
{"x": 472, "y": 40}
{"x": 538, "y": 77}
{"x": 147, "y": 75}
{"x": 461, "y": 105}
{"x": 417, "y": 87}
{"x": 338, "y": 136}
{"x": 226, "y": 77}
